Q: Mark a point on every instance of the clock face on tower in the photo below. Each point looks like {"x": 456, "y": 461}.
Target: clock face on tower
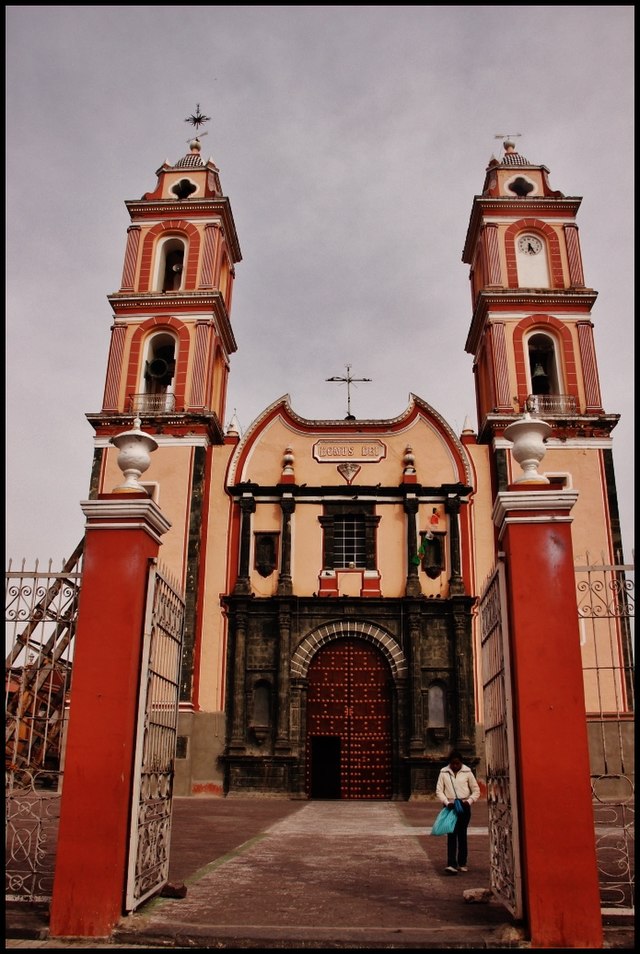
{"x": 529, "y": 245}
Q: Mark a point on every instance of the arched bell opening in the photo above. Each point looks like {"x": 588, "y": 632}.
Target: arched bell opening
{"x": 544, "y": 374}
{"x": 159, "y": 368}
{"x": 171, "y": 264}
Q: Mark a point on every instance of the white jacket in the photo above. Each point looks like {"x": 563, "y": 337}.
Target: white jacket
{"x": 463, "y": 785}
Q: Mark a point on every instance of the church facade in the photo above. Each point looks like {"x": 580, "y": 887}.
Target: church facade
{"x": 332, "y": 567}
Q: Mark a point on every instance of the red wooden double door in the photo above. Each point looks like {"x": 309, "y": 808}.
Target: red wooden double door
{"x": 349, "y": 722}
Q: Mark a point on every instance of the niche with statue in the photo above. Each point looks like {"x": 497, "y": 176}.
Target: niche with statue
{"x": 432, "y": 559}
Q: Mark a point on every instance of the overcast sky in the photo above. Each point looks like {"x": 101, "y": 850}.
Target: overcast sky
{"x": 351, "y": 141}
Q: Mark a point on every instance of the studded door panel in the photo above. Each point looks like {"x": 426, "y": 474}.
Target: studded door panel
{"x": 349, "y": 698}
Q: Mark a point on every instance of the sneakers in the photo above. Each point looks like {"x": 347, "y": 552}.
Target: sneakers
{"x": 462, "y": 868}
{"x": 450, "y": 870}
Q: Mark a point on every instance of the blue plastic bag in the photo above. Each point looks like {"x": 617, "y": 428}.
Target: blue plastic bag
{"x": 445, "y": 822}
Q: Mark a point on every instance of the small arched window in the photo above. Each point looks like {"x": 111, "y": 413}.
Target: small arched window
{"x": 436, "y": 711}
{"x": 171, "y": 262}
{"x": 261, "y": 710}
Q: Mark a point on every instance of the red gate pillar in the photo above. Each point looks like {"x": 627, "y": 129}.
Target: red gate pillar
{"x": 559, "y": 869}
{"x": 123, "y": 532}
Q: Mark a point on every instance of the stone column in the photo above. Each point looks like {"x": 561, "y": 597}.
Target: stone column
{"x": 465, "y": 728}
{"x": 130, "y": 258}
{"x": 237, "y": 743}
{"x": 452, "y": 507}
{"x": 413, "y": 582}
{"x": 288, "y": 506}
{"x": 284, "y": 667}
{"x": 247, "y": 507}
{"x": 492, "y": 254}
{"x": 576, "y": 276}
{"x": 417, "y": 722}
{"x": 298, "y": 731}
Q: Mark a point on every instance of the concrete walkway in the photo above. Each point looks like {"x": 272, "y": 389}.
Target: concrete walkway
{"x": 279, "y": 873}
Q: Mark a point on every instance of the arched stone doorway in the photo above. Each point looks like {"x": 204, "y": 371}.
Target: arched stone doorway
{"x": 349, "y": 718}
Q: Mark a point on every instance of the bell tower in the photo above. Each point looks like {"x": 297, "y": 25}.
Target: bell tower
{"x": 168, "y": 364}
{"x": 531, "y": 337}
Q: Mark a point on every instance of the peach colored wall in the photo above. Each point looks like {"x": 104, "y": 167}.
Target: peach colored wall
{"x": 591, "y": 522}
{"x": 268, "y": 516}
{"x": 481, "y": 544}
{"x": 171, "y": 468}
{"x": 306, "y": 549}
{"x": 434, "y": 460}
{"x": 505, "y": 174}
{"x": 214, "y": 627}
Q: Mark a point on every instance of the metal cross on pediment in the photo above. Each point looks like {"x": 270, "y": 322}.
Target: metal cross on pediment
{"x": 348, "y": 380}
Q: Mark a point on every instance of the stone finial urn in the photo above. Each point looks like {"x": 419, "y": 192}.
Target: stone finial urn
{"x": 135, "y": 448}
{"x": 528, "y": 435}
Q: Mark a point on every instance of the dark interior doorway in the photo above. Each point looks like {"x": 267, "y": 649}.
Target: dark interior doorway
{"x": 325, "y": 766}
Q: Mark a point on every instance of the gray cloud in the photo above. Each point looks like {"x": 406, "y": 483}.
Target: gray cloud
{"x": 350, "y": 141}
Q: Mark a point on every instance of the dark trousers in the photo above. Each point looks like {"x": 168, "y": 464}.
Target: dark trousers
{"x": 457, "y": 840}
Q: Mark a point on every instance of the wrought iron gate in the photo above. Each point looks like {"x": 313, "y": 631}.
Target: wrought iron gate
{"x": 155, "y": 740}
{"x": 606, "y": 610}
{"x": 40, "y": 621}
{"x": 502, "y": 801}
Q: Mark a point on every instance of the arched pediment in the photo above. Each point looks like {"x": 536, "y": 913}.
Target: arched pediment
{"x": 419, "y": 426}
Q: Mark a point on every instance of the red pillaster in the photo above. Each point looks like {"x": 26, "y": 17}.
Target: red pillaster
{"x": 552, "y": 754}
{"x": 122, "y": 536}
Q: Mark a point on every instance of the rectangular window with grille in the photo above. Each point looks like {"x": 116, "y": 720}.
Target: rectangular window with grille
{"x": 349, "y": 536}
{"x": 349, "y": 541}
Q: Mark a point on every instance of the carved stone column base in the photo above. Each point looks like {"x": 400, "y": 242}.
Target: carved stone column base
{"x": 413, "y": 588}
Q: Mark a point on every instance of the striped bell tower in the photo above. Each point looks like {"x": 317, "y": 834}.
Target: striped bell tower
{"x": 531, "y": 337}
{"x": 168, "y": 364}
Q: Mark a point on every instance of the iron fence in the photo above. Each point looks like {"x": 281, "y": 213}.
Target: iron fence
{"x": 606, "y": 612}
{"x": 40, "y": 619}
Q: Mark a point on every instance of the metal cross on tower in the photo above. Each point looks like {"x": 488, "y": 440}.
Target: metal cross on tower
{"x": 197, "y": 119}
{"x": 348, "y": 380}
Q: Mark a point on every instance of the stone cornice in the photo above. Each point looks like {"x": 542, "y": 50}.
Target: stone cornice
{"x": 170, "y": 303}
{"x": 535, "y": 300}
{"x": 189, "y": 209}
{"x": 541, "y": 206}
{"x": 533, "y": 506}
{"x": 581, "y": 429}
{"x": 203, "y": 426}
{"x": 118, "y": 513}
